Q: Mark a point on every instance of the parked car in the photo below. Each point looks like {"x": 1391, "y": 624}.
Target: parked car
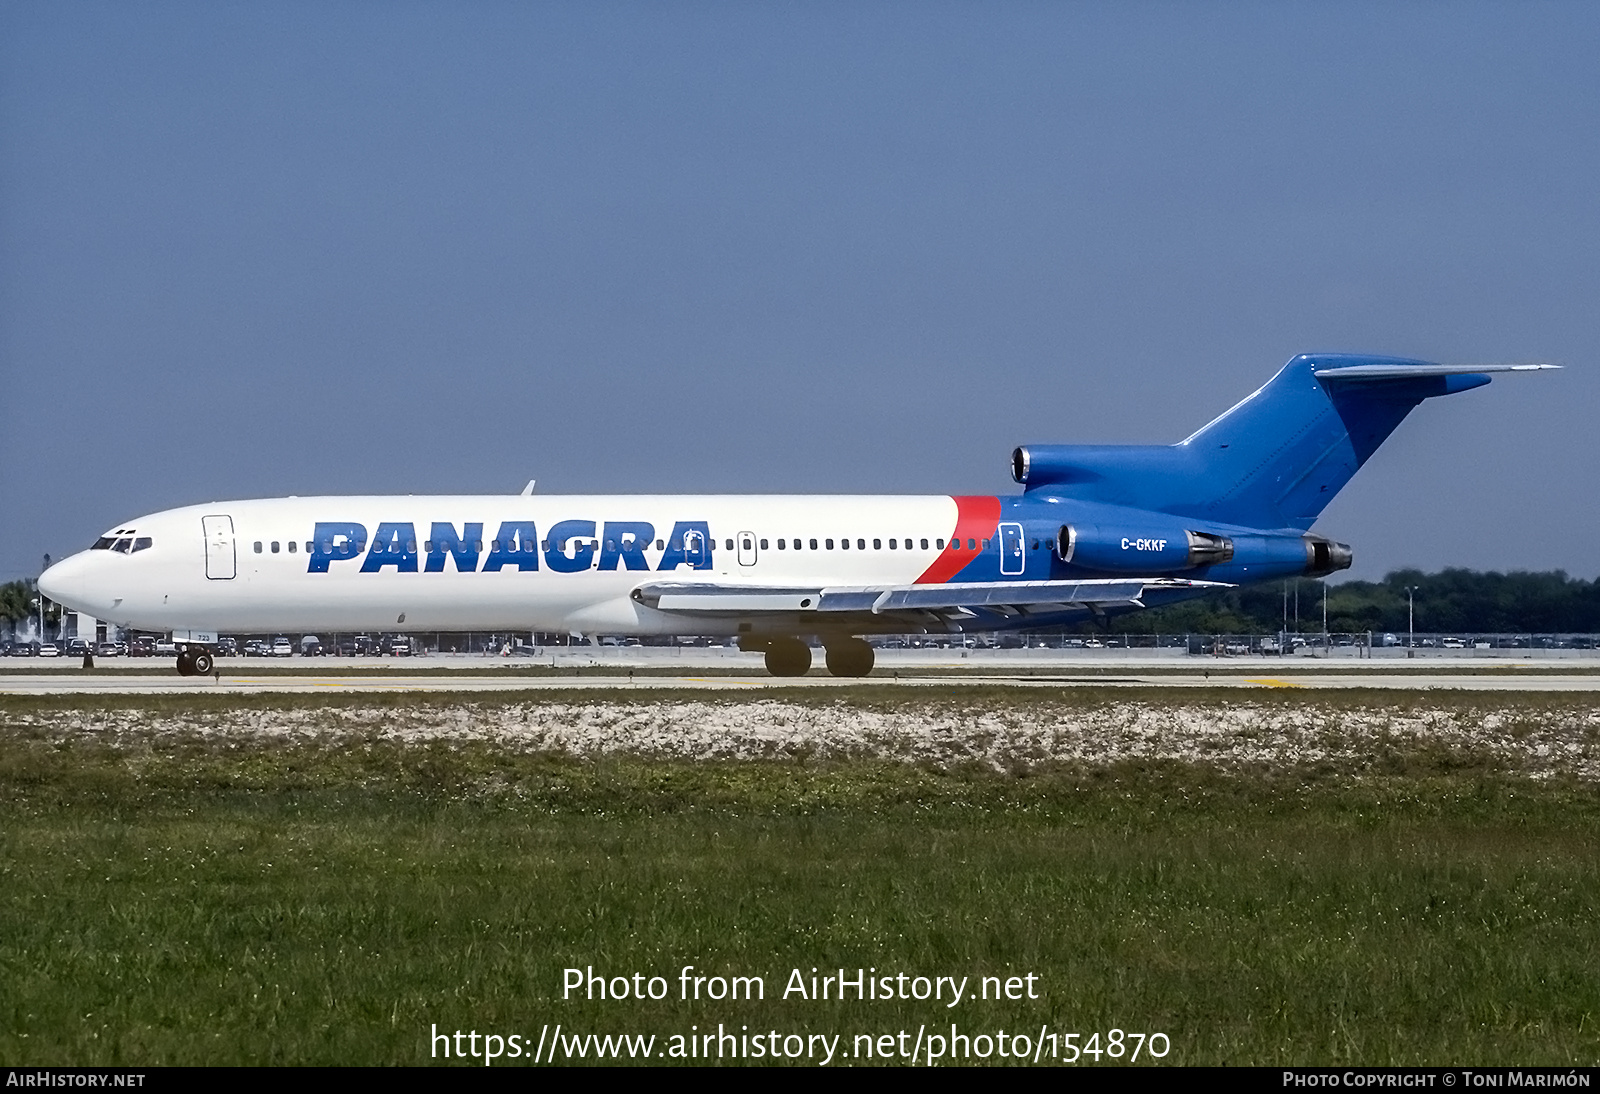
{"x": 49, "y": 649}
{"x": 143, "y": 645}
{"x": 282, "y": 647}
{"x": 107, "y": 649}
{"x": 227, "y": 647}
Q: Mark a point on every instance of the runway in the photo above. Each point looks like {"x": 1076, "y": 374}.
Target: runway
{"x": 1502, "y": 678}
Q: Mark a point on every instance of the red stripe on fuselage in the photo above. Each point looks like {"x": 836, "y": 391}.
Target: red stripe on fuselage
{"x": 976, "y": 520}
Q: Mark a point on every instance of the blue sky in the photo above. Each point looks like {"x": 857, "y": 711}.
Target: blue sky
{"x": 264, "y": 249}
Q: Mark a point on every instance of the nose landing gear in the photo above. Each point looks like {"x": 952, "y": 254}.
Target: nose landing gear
{"x": 194, "y": 661}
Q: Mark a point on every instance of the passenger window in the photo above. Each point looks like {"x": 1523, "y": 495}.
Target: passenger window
{"x": 780, "y": 545}
{"x": 861, "y": 545}
{"x": 274, "y": 546}
{"x": 844, "y": 544}
{"x": 411, "y": 546}
{"x": 292, "y": 546}
{"x": 891, "y": 545}
{"x": 427, "y": 546}
{"x": 477, "y": 545}
{"x": 814, "y": 545}
{"x": 763, "y": 545}
{"x": 308, "y": 546}
{"x": 828, "y": 543}
{"x": 972, "y": 545}
{"x": 985, "y": 545}
{"x": 141, "y": 543}
{"x": 258, "y": 546}
{"x": 877, "y": 545}
{"x": 1035, "y": 546}
{"x": 730, "y": 545}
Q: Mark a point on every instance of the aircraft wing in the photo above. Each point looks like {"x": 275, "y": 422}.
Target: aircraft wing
{"x": 1003, "y": 597}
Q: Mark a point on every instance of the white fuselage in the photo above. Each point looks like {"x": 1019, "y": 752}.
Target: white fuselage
{"x": 496, "y": 562}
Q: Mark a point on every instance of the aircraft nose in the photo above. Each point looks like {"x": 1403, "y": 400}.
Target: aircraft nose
{"x": 67, "y": 582}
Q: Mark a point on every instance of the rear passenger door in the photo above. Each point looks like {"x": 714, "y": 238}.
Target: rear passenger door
{"x": 1012, "y": 560}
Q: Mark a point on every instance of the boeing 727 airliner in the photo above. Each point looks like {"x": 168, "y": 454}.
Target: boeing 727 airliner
{"x": 1098, "y": 530}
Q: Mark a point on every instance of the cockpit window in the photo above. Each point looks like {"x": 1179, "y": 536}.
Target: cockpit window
{"x": 122, "y": 541}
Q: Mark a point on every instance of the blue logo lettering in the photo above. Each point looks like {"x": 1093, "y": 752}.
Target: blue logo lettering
{"x": 393, "y": 545}
{"x": 582, "y": 552}
{"x": 515, "y": 543}
{"x": 623, "y": 546}
{"x": 444, "y": 539}
{"x": 626, "y": 540}
{"x": 690, "y": 545}
{"x": 335, "y": 542}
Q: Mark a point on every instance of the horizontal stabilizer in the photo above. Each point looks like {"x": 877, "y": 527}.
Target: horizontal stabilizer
{"x": 1409, "y": 371}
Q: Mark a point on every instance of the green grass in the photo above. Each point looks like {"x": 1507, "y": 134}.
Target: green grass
{"x": 182, "y": 901}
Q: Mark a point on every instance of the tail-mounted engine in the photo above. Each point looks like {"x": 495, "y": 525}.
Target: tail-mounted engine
{"x": 1147, "y": 548}
{"x": 1324, "y": 556}
{"x": 1157, "y": 547}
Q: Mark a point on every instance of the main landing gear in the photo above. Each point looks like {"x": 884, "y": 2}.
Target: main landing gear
{"x": 849, "y": 657}
{"x": 194, "y": 661}
{"x": 845, "y": 657}
{"x": 788, "y": 657}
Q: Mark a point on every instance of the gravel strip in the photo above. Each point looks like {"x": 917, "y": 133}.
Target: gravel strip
{"x": 1563, "y": 741}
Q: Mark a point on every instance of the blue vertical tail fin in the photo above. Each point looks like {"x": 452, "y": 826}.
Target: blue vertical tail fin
{"x": 1275, "y": 460}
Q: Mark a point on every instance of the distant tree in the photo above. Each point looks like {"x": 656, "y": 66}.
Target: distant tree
{"x": 1449, "y": 602}
{"x": 16, "y": 601}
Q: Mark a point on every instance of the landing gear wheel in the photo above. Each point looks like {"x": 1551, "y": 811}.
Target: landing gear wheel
{"x": 788, "y": 657}
{"x": 186, "y": 663}
{"x": 200, "y": 662}
{"x": 849, "y": 657}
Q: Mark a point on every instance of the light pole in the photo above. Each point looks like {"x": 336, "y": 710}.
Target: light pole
{"x": 1411, "y": 621}
{"x": 41, "y": 599}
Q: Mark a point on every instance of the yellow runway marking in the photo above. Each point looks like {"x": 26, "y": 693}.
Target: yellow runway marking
{"x": 1275, "y": 683}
